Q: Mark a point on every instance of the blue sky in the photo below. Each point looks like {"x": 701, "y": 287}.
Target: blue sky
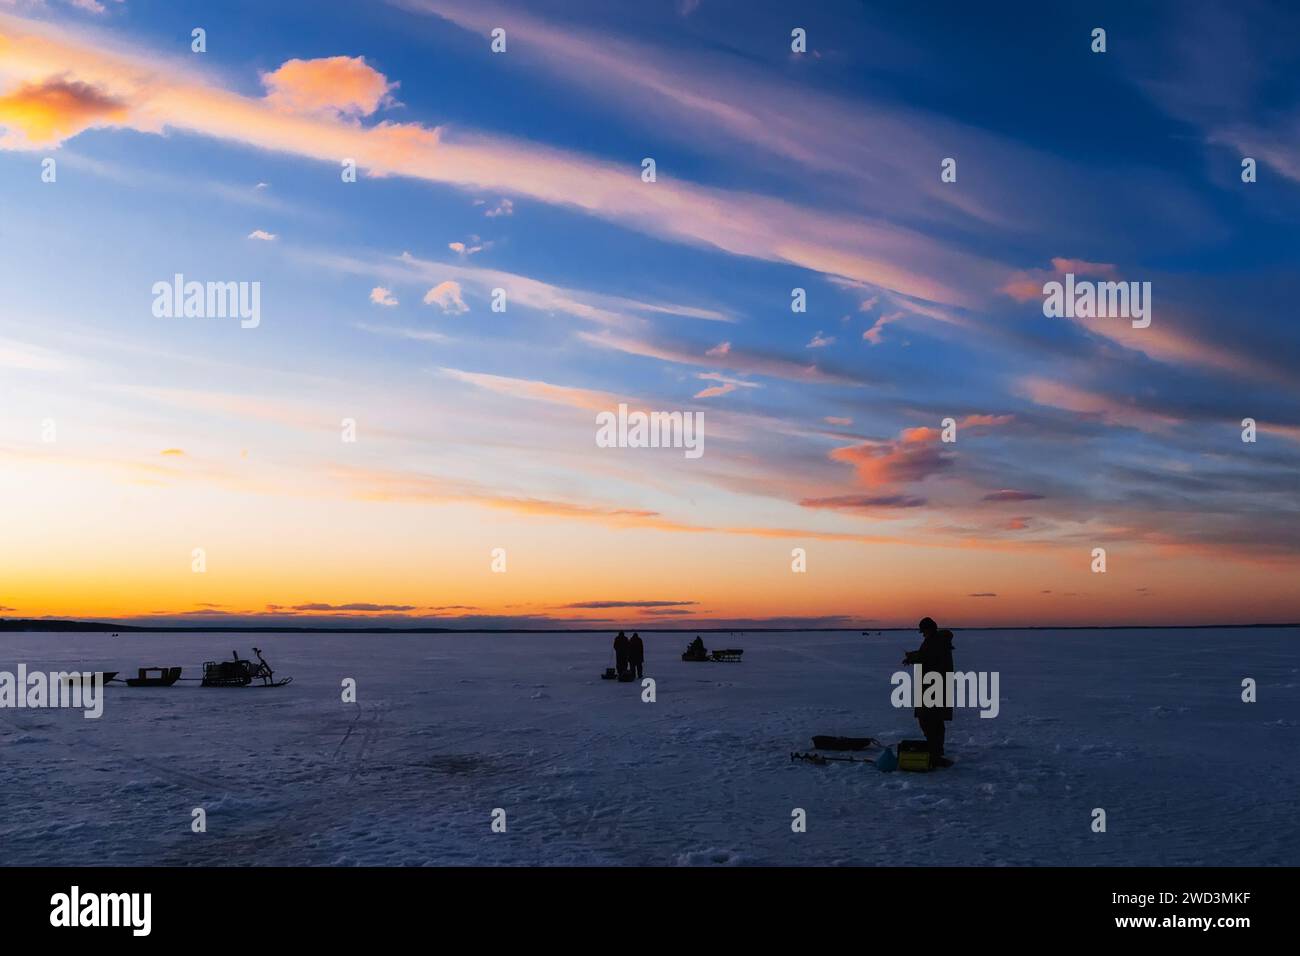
{"x": 775, "y": 170}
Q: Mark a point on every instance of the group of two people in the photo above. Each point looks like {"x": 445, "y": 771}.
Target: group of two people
{"x": 629, "y": 655}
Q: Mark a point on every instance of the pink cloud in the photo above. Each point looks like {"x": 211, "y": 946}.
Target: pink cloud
{"x": 344, "y": 87}
{"x": 1027, "y": 285}
{"x": 446, "y": 295}
{"x": 715, "y": 390}
{"x": 380, "y": 295}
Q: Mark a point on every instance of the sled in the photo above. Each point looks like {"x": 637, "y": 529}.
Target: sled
{"x": 610, "y": 674}
{"x": 728, "y": 655}
{"x": 154, "y": 677}
{"x": 104, "y": 677}
{"x": 825, "y": 742}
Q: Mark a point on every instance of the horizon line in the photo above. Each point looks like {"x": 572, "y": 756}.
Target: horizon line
{"x": 7, "y": 625}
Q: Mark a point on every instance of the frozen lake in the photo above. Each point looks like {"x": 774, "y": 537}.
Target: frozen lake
{"x": 1148, "y": 725}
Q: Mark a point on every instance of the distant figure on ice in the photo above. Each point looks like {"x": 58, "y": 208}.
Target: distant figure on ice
{"x": 695, "y": 650}
{"x": 620, "y": 653}
{"x": 636, "y": 655}
{"x": 934, "y": 654}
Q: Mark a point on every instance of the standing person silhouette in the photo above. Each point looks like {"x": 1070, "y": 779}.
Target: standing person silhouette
{"x": 934, "y": 655}
{"x": 636, "y": 655}
{"x": 620, "y": 653}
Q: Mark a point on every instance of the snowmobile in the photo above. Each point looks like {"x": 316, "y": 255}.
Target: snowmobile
{"x": 241, "y": 672}
{"x": 696, "y": 651}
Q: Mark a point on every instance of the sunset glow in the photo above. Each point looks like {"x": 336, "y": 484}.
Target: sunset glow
{"x": 129, "y": 440}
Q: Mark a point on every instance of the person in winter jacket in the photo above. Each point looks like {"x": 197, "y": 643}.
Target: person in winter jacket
{"x": 934, "y": 655}
{"x": 636, "y": 655}
{"x": 620, "y": 653}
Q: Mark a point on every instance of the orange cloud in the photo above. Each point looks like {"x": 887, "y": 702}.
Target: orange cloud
{"x": 339, "y": 86}
{"x": 873, "y": 334}
{"x": 915, "y": 456}
{"x": 446, "y": 295}
{"x": 45, "y": 113}
{"x": 713, "y": 391}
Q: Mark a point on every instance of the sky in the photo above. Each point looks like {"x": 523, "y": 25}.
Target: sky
{"x": 382, "y": 445}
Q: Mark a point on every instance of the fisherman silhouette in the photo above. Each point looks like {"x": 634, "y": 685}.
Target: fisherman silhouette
{"x": 636, "y": 655}
{"x": 934, "y": 655}
{"x": 620, "y": 653}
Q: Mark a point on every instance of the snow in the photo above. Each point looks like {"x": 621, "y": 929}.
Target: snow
{"x": 1146, "y": 724}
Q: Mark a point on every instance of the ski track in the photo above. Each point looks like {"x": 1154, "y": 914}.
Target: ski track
{"x": 1147, "y": 725}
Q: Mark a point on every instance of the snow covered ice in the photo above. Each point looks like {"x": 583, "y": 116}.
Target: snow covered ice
{"x": 1147, "y": 724}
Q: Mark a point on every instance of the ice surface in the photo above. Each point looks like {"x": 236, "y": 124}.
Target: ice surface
{"x": 1148, "y": 725}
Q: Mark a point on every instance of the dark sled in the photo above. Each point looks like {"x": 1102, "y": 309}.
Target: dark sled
{"x": 824, "y": 742}
{"x": 241, "y": 673}
{"x": 728, "y": 655}
{"x": 104, "y": 677}
{"x": 610, "y": 674}
{"x": 154, "y": 677}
